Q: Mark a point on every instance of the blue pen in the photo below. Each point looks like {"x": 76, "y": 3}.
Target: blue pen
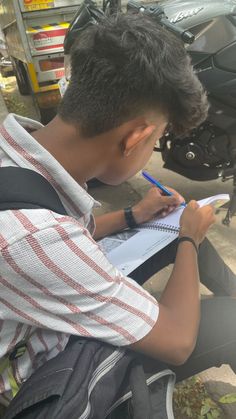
{"x": 159, "y": 185}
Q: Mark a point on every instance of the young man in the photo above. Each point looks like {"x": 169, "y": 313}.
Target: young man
{"x": 130, "y": 81}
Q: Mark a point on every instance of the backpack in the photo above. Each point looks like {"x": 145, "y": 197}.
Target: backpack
{"x": 90, "y": 379}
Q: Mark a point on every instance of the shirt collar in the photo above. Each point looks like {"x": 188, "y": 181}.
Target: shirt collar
{"x": 26, "y": 152}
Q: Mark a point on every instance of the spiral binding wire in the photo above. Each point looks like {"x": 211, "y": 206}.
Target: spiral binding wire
{"x": 161, "y": 227}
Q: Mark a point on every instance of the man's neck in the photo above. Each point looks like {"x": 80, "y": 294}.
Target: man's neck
{"x": 64, "y": 142}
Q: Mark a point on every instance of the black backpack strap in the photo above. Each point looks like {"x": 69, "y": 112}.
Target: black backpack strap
{"x": 25, "y": 189}
{"x": 140, "y": 392}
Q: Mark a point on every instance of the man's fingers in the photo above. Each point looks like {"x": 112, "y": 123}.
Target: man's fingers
{"x": 193, "y": 204}
{"x": 170, "y": 201}
{"x": 156, "y": 190}
{"x": 175, "y": 193}
{"x": 166, "y": 211}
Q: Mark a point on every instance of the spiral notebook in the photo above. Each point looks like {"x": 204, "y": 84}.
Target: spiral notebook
{"x": 130, "y": 248}
{"x": 171, "y": 222}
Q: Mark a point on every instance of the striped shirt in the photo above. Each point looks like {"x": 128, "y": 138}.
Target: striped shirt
{"x": 54, "y": 279}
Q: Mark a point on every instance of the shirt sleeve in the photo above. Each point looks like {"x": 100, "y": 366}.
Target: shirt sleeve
{"x": 59, "y": 278}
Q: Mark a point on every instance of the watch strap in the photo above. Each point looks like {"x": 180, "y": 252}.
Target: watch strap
{"x": 129, "y": 218}
{"x": 189, "y": 239}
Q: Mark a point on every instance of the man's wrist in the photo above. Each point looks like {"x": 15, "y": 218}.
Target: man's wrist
{"x": 188, "y": 239}
{"x": 138, "y": 214}
{"x": 186, "y": 233}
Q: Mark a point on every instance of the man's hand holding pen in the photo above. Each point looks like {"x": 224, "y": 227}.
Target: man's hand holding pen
{"x": 161, "y": 200}
{"x": 156, "y": 204}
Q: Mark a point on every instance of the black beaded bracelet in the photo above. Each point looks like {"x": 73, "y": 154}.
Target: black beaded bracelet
{"x": 129, "y": 218}
{"x": 188, "y": 239}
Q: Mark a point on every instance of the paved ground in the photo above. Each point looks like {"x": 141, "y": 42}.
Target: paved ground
{"x": 218, "y": 381}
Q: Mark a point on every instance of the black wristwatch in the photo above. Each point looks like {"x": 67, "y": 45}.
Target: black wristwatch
{"x": 129, "y": 218}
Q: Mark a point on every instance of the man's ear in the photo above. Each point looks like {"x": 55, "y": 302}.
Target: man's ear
{"x": 135, "y": 137}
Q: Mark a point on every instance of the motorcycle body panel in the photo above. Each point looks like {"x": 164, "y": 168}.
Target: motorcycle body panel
{"x": 192, "y": 13}
{"x": 212, "y": 147}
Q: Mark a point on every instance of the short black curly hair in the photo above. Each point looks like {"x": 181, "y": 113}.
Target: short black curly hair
{"x": 126, "y": 65}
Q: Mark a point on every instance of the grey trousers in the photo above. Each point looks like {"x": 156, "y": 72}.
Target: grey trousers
{"x": 214, "y": 273}
{"x": 216, "y": 342}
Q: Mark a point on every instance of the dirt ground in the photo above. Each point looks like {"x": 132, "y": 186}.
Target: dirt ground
{"x": 15, "y": 102}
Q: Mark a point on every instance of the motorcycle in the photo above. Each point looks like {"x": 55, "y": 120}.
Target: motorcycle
{"x": 208, "y": 29}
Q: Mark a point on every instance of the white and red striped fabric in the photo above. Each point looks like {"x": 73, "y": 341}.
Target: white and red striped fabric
{"x": 54, "y": 279}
